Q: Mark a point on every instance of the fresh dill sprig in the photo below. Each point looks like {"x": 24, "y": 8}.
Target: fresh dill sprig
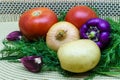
{"x": 61, "y": 16}
{"x": 18, "y": 49}
{"x": 110, "y": 56}
{"x": 14, "y": 50}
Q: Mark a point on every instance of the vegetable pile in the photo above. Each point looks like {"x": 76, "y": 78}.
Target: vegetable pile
{"x": 77, "y": 41}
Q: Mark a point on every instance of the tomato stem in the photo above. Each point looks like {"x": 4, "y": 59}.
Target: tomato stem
{"x": 61, "y": 35}
{"x": 36, "y": 13}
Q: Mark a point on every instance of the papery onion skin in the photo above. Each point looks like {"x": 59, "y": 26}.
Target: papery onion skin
{"x": 30, "y": 63}
{"x": 13, "y": 36}
{"x": 60, "y": 33}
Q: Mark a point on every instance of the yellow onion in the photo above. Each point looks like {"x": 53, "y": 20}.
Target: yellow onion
{"x": 60, "y": 33}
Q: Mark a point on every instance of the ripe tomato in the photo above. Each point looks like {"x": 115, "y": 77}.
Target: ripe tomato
{"x": 78, "y": 15}
{"x": 35, "y": 22}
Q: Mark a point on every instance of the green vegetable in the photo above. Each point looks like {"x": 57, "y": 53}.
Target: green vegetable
{"x": 110, "y": 60}
{"x": 62, "y": 16}
{"x": 17, "y": 49}
{"x": 109, "y": 64}
{"x": 14, "y": 50}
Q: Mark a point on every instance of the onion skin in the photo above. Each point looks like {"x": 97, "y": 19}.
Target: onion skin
{"x": 60, "y": 33}
{"x": 31, "y": 64}
{"x": 99, "y": 29}
{"x": 13, "y": 36}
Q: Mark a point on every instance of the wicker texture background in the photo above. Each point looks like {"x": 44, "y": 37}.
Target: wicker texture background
{"x": 10, "y": 10}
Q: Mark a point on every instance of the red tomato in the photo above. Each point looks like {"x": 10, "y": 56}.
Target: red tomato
{"x": 78, "y": 15}
{"x": 35, "y": 22}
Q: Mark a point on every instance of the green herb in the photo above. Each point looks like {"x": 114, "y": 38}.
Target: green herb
{"x": 61, "y": 16}
{"x": 14, "y": 50}
{"x": 91, "y": 76}
{"x": 17, "y": 49}
{"x": 110, "y": 57}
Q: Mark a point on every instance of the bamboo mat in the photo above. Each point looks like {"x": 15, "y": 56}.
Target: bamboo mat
{"x": 10, "y": 10}
{"x": 16, "y": 71}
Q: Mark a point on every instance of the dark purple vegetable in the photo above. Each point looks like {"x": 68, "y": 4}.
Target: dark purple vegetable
{"x": 97, "y": 30}
{"x": 32, "y": 63}
{"x": 15, "y": 35}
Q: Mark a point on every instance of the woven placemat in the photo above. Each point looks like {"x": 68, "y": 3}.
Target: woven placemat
{"x": 10, "y": 10}
{"x": 16, "y": 71}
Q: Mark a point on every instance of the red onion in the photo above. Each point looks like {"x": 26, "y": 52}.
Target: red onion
{"x": 15, "y": 35}
{"x": 32, "y": 63}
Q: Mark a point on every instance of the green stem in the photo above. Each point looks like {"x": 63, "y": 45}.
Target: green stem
{"x": 92, "y": 34}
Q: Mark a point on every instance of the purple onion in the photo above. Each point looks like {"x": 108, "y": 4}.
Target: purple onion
{"x": 98, "y": 30}
{"x": 15, "y": 35}
{"x": 32, "y": 63}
